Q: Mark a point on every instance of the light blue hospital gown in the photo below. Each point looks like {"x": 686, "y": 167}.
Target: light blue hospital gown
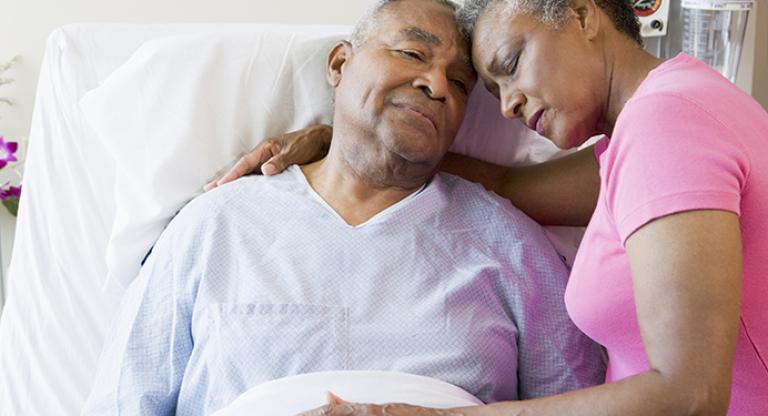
{"x": 261, "y": 279}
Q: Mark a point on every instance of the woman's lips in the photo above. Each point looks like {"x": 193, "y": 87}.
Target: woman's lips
{"x": 540, "y": 124}
{"x": 536, "y": 122}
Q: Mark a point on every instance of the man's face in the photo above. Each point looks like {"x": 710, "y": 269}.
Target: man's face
{"x": 405, "y": 89}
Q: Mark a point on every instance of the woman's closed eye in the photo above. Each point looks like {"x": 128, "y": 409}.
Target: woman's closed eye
{"x": 510, "y": 65}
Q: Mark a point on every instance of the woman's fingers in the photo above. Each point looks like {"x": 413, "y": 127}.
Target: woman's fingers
{"x": 280, "y": 161}
{"x": 275, "y": 155}
{"x": 248, "y": 163}
{"x": 334, "y": 399}
{"x": 298, "y": 148}
{"x": 344, "y": 410}
{"x": 355, "y": 409}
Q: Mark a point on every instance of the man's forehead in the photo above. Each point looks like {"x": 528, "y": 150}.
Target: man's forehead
{"x": 417, "y": 33}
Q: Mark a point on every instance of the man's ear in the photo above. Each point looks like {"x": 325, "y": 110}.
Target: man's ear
{"x": 336, "y": 60}
{"x": 588, "y": 16}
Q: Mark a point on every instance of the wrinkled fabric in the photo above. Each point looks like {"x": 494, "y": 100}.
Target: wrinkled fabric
{"x": 261, "y": 279}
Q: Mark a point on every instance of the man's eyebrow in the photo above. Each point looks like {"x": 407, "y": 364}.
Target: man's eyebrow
{"x": 416, "y": 33}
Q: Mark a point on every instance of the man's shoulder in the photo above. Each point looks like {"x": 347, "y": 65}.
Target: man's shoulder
{"x": 474, "y": 203}
{"x": 228, "y": 201}
{"x": 242, "y": 190}
{"x": 497, "y": 227}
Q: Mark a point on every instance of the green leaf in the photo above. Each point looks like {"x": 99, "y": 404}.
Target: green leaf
{"x": 12, "y": 205}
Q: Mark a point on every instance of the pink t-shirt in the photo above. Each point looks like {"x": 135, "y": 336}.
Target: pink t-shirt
{"x": 687, "y": 140}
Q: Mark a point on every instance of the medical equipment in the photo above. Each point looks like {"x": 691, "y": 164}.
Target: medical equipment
{"x": 713, "y": 31}
{"x": 710, "y": 30}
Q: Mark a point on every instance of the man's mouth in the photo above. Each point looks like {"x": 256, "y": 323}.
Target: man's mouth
{"x": 420, "y": 112}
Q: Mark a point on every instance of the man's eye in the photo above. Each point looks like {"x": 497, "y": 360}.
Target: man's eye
{"x": 412, "y": 54}
{"x": 460, "y": 85}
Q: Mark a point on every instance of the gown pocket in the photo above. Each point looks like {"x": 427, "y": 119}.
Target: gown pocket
{"x": 254, "y": 343}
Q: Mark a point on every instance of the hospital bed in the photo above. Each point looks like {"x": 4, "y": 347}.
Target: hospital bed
{"x": 89, "y": 162}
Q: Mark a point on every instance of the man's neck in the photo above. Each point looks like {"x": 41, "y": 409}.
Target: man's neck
{"x": 355, "y": 197}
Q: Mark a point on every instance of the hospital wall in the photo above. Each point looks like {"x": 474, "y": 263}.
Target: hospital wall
{"x": 25, "y": 24}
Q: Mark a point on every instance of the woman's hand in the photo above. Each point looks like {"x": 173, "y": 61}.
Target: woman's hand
{"x": 339, "y": 407}
{"x": 276, "y": 154}
{"x": 354, "y": 409}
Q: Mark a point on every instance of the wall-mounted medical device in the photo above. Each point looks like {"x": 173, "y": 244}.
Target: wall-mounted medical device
{"x": 653, "y": 15}
{"x": 710, "y": 30}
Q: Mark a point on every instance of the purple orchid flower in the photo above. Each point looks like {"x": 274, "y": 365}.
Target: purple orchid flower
{"x": 9, "y": 198}
{"x": 7, "y": 192}
{"x": 7, "y": 150}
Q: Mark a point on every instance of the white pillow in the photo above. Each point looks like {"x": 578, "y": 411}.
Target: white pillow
{"x": 296, "y": 394}
{"x": 184, "y": 108}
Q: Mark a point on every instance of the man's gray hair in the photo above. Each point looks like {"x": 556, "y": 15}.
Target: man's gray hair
{"x": 553, "y": 13}
{"x": 368, "y": 22}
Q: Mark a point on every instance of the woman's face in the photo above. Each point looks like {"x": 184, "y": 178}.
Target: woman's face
{"x": 554, "y": 79}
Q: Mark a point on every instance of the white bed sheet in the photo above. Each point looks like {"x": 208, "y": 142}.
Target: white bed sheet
{"x": 53, "y": 323}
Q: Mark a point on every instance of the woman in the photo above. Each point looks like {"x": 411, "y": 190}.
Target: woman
{"x": 671, "y": 276}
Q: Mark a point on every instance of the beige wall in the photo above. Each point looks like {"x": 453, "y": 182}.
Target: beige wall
{"x": 760, "y": 51}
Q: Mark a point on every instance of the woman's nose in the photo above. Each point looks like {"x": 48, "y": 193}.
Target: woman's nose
{"x": 512, "y": 105}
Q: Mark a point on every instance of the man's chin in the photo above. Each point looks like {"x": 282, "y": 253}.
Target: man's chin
{"x": 413, "y": 146}
{"x": 418, "y": 156}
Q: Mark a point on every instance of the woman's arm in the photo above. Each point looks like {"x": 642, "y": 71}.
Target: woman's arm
{"x": 274, "y": 155}
{"x": 558, "y": 192}
{"x": 686, "y": 271}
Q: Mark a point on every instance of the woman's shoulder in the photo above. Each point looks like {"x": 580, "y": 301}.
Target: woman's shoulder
{"x": 684, "y": 89}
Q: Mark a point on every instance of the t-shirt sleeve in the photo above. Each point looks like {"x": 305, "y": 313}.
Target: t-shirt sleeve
{"x": 669, "y": 155}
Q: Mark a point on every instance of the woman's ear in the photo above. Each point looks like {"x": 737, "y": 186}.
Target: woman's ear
{"x": 587, "y": 13}
{"x": 336, "y": 60}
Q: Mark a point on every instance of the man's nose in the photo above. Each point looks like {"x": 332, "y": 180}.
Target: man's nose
{"x": 512, "y": 104}
{"x": 434, "y": 83}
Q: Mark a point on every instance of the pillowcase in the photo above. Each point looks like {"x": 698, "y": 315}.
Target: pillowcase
{"x": 183, "y": 109}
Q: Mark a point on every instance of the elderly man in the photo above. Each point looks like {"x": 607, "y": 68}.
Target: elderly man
{"x": 363, "y": 260}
